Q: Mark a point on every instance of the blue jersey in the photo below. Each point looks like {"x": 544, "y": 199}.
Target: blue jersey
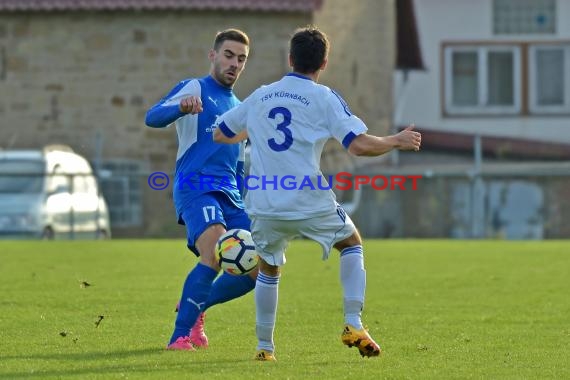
{"x": 202, "y": 166}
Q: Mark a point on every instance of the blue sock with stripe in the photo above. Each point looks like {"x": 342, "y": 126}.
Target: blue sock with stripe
{"x": 194, "y": 295}
{"x": 227, "y": 287}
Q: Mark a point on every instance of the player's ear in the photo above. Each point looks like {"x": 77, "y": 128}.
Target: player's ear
{"x": 290, "y": 61}
{"x": 324, "y": 65}
{"x": 211, "y": 55}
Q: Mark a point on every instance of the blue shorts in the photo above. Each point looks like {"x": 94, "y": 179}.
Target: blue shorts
{"x": 211, "y": 208}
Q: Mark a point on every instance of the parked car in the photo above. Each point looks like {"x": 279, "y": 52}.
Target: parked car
{"x": 50, "y": 194}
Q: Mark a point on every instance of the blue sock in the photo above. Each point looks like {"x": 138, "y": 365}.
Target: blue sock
{"x": 227, "y": 287}
{"x": 196, "y": 290}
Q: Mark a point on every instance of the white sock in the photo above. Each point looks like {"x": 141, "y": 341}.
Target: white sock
{"x": 266, "y": 291}
{"x": 353, "y": 279}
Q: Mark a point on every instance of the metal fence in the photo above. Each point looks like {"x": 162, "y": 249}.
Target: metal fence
{"x": 502, "y": 201}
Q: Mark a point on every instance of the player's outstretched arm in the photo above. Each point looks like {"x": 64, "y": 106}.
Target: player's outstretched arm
{"x": 183, "y": 99}
{"x": 369, "y": 145}
{"x": 161, "y": 115}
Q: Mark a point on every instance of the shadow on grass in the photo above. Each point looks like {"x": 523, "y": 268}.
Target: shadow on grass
{"x": 101, "y": 369}
{"x": 87, "y": 355}
{"x": 129, "y": 370}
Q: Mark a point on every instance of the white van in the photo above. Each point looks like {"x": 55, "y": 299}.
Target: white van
{"x": 50, "y": 194}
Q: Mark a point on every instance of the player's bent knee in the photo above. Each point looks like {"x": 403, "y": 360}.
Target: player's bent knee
{"x": 253, "y": 273}
{"x": 206, "y": 245}
{"x": 213, "y": 230}
{"x": 350, "y": 241}
{"x": 211, "y": 262}
{"x": 267, "y": 269}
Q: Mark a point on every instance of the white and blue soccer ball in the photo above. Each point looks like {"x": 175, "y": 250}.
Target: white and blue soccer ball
{"x": 236, "y": 252}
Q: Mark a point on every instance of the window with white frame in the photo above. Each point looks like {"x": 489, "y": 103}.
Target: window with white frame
{"x": 524, "y": 16}
{"x": 482, "y": 79}
{"x": 549, "y": 78}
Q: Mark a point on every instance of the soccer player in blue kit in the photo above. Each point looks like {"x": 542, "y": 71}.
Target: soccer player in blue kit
{"x": 288, "y": 122}
{"x": 206, "y": 193}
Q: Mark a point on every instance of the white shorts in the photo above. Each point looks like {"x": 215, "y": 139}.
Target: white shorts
{"x": 272, "y": 236}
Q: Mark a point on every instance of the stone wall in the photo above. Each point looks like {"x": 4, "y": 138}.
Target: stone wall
{"x": 68, "y": 76}
{"x": 361, "y": 66}
{"x": 86, "y": 79}
{"x": 362, "y": 57}
{"x": 80, "y": 77}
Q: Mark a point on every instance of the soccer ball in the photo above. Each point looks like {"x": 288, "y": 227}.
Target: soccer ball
{"x": 236, "y": 252}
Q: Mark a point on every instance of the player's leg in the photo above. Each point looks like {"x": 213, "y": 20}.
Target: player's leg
{"x": 227, "y": 286}
{"x": 353, "y": 279}
{"x": 338, "y": 230}
{"x": 205, "y": 224}
{"x": 271, "y": 245}
{"x": 266, "y": 298}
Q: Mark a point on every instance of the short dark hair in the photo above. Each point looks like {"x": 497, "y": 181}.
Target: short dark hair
{"x": 308, "y": 48}
{"x": 230, "y": 35}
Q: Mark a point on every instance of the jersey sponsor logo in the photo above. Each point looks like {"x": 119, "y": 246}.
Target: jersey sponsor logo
{"x": 213, "y": 127}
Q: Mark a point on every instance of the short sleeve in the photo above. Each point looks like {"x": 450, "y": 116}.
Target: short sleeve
{"x": 344, "y": 126}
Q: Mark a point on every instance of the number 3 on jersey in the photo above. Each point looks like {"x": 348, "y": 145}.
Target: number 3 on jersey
{"x": 281, "y": 127}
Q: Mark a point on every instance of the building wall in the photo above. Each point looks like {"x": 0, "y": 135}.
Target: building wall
{"x": 362, "y": 56}
{"x": 69, "y": 76}
{"x": 86, "y": 79}
{"x": 466, "y": 20}
{"x": 360, "y": 67}
{"x": 512, "y": 203}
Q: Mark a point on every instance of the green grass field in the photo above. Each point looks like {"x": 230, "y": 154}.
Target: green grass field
{"x": 440, "y": 310}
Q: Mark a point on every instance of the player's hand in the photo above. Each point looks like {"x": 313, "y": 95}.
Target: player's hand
{"x": 408, "y": 139}
{"x": 191, "y": 105}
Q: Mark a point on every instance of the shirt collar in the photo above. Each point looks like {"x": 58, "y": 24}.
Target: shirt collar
{"x": 298, "y": 76}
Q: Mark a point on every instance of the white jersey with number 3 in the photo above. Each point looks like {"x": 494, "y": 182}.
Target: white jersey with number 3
{"x": 288, "y": 123}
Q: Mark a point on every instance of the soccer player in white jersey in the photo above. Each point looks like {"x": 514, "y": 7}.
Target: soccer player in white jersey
{"x": 206, "y": 208}
{"x": 288, "y": 123}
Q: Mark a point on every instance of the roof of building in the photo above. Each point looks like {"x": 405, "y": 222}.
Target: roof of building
{"x": 493, "y": 146}
{"x": 408, "y": 52}
{"x": 125, "y": 5}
